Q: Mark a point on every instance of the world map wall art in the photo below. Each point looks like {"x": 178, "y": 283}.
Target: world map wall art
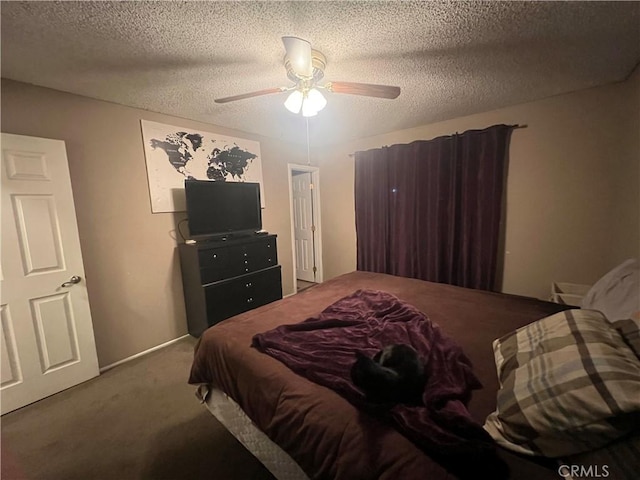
{"x": 174, "y": 154}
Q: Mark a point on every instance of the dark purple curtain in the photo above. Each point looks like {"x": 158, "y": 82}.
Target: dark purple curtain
{"x": 372, "y": 211}
{"x": 432, "y": 209}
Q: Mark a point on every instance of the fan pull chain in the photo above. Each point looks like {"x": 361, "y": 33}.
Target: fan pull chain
{"x": 308, "y": 150}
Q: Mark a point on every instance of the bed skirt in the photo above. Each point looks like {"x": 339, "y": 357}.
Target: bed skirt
{"x": 233, "y": 418}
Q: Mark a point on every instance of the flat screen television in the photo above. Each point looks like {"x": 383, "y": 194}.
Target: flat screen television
{"x": 216, "y": 208}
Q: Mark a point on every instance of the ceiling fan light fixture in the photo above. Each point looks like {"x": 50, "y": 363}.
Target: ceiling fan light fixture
{"x": 316, "y": 99}
{"x": 308, "y": 111}
{"x": 310, "y": 103}
{"x": 293, "y": 103}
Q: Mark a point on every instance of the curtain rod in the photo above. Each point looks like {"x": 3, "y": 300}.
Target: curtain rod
{"x": 514, "y": 127}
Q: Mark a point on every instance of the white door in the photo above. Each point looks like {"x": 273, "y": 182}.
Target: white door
{"x": 303, "y": 226}
{"x": 47, "y": 336}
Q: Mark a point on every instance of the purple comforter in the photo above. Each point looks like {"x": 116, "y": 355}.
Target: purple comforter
{"x": 322, "y": 349}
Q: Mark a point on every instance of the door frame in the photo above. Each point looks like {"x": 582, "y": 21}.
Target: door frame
{"x": 315, "y": 199}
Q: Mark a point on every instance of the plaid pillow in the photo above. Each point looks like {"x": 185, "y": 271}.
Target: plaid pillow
{"x": 568, "y": 384}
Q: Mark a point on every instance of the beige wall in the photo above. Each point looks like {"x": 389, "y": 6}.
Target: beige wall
{"x": 573, "y": 208}
{"x": 625, "y": 219}
{"x": 131, "y": 263}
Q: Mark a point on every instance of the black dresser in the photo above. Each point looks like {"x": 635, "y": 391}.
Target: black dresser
{"x": 224, "y": 278}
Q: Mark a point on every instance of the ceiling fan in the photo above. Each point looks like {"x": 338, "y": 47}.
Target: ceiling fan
{"x": 305, "y": 67}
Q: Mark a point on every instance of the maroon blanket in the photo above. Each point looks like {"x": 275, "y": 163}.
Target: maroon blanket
{"x": 322, "y": 349}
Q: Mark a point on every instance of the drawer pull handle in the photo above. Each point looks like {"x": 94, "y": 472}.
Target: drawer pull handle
{"x": 249, "y": 300}
{"x": 245, "y": 254}
{"x": 246, "y": 261}
{"x": 248, "y": 284}
{"x": 246, "y": 269}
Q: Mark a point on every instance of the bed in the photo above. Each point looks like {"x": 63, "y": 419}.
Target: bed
{"x": 314, "y": 432}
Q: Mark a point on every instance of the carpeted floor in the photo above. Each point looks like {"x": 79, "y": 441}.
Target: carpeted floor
{"x": 303, "y": 284}
{"x": 139, "y": 420}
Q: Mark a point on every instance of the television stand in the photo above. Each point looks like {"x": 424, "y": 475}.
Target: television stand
{"x": 222, "y": 278}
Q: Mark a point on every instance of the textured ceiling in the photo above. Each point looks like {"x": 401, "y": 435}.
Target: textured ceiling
{"x": 450, "y": 58}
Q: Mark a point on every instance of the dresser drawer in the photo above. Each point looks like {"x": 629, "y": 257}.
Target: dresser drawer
{"x": 228, "y": 262}
{"x": 261, "y": 254}
{"x": 220, "y": 263}
{"x": 229, "y": 298}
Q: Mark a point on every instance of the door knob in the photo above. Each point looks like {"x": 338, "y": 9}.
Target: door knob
{"x": 72, "y": 281}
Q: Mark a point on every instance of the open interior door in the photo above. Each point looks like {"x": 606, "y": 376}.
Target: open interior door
{"x": 47, "y": 338}
{"x": 304, "y": 229}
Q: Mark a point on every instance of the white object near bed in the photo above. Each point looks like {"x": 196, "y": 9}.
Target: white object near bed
{"x": 617, "y": 293}
{"x": 568, "y": 293}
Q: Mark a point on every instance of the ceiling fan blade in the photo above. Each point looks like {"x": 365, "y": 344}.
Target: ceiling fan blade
{"x": 299, "y": 53}
{"x": 366, "y": 89}
{"x": 266, "y": 91}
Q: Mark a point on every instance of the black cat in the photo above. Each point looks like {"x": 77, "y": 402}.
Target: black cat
{"x": 394, "y": 375}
